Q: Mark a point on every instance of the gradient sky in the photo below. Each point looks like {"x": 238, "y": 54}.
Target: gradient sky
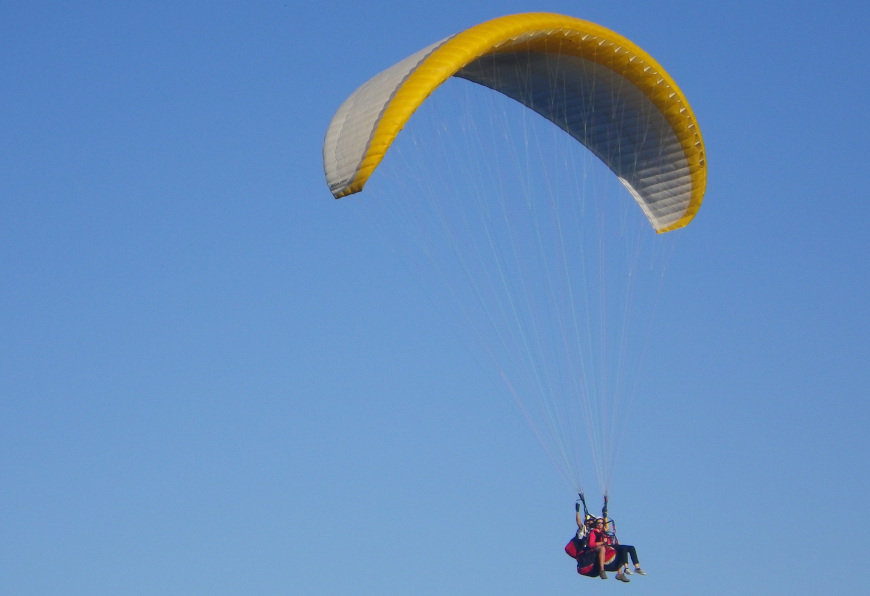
{"x": 214, "y": 381}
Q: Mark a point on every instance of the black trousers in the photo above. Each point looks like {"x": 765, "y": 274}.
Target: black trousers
{"x": 625, "y": 549}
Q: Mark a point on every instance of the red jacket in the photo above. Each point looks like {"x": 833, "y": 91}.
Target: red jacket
{"x": 597, "y": 538}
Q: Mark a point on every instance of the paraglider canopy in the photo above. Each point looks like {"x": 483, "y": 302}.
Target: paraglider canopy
{"x": 598, "y": 86}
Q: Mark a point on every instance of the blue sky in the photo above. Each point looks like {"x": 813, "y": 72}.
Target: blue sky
{"x": 213, "y": 380}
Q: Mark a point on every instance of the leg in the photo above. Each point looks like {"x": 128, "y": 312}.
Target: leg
{"x": 619, "y": 559}
{"x": 621, "y": 563}
{"x": 600, "y": 551}
{"x": 633, "y": 554}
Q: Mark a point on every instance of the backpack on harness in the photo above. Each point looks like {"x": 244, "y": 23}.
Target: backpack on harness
{"x": 576, "y": 546}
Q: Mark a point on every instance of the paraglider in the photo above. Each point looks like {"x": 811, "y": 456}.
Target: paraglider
{"x": 597, "y": 549}
{"x": 553, "y": 279}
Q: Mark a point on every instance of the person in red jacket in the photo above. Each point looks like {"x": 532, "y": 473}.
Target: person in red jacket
{"x": 598, "y": 544}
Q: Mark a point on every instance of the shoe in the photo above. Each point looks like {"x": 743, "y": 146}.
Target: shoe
{"x": 627, "y": 572}
{"x": 639, "y": 571}
{"x": 603, "y": 574}
{"x": 621, "y": 577}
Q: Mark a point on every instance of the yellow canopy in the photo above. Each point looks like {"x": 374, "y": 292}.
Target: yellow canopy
{"x": 596, "y": 85}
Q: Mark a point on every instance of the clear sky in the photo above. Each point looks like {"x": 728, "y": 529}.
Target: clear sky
{"x": 214, "y": 381}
